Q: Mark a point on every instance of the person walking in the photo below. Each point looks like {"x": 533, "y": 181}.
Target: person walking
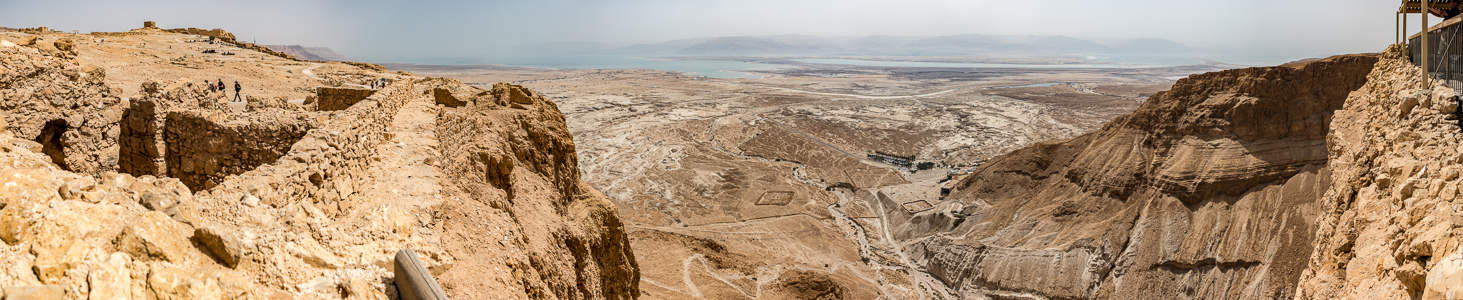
{"x": 221, "y": 85}
{"x": 237, "y": 88}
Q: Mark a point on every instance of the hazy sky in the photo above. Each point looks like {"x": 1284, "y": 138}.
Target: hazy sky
{"x": 386, "y": 31}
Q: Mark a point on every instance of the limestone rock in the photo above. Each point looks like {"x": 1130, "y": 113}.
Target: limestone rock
{"x": 1389, "y": 220}
{"x": 42, "y": 292}
{"x": 51, "y": 264}
{"x": 153, "y": 235}
{"x": 111, "y": 279}
{"x": 66, "y": 45}
{"x": 178, "y": 283}
{"x": 157, "y": 201}
{"x": 219, "y": 242}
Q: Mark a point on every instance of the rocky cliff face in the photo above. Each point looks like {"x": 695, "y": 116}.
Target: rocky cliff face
{"x": 553, "y": 236}
{"x": 1389, "y": 222}
{"x": 1207, "y": 191}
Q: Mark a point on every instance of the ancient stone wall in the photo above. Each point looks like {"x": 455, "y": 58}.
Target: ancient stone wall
{"x": 205, "y": 147}
{"x": 142, "y": 142}
{"x": 103, "y": 235}
{"x": 328, "y": 99}
{"x": 64, "y": 106}
{"x": 320, "y": 168}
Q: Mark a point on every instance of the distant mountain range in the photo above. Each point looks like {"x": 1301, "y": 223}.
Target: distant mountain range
{"x": 310, "y": 53}
{"x": 965, "y": 44}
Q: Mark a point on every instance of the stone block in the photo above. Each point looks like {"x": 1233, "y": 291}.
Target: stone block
{"x": 157, "y": 201}
{"x": 155, "y": 236}
{"x": 220, "y": 242}
{"x": 51, "y": 264}
{"x": 111, "y": 279}
{"x": 35, "y": 292}
{"x": 192, "y": 283}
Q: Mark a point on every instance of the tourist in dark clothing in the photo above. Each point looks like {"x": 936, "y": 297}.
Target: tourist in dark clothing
{"x": 237, "y": 88}
{"x": 221, "y": 85}
{"x": 1451, "y": 11}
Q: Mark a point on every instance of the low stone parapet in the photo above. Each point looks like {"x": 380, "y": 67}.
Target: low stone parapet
{"x": 205, "y": 147}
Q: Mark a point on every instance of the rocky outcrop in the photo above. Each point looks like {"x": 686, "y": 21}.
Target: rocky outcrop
{"x": 1389, "y": 223}
{"x": 1207, "y": 191}
{"x": 67, "y": 107}
{"x": 514, "y": 157}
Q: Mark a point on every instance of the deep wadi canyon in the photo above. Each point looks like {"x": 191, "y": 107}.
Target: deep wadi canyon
{"x": 122, "y": 176}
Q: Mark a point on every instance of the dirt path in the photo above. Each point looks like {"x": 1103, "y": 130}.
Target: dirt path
{"x": 400, "y": 175}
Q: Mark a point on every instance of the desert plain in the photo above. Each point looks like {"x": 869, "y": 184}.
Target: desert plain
{"x": 781, "y": 186}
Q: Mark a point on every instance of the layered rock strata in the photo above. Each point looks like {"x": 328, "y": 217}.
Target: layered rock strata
{"x": 1207, "y": 191}
{"x": 1388, "y": 226}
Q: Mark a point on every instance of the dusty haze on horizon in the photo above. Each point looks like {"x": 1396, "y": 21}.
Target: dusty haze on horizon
{"x": 401, "y": 31}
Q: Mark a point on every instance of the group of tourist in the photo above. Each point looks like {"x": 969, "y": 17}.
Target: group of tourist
{"x": 221, "y": 88}
{"x": 378, "y": 83}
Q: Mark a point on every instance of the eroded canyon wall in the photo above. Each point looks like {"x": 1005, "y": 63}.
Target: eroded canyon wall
{"x": 1207, "y": 191}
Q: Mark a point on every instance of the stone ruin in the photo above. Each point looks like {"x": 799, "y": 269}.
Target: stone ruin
{"x": 174, "y": 129}
{"x": 63, "y": 106}
{"x": 175, "y": 195}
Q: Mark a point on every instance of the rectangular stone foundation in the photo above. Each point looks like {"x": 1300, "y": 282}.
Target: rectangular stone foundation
{"x": 205, "y": 147}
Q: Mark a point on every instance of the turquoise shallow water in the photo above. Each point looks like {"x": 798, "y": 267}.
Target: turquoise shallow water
{"x": 874, "y": 63}
{"x": 713, "y": 69}
{"x": 727, "y": 69}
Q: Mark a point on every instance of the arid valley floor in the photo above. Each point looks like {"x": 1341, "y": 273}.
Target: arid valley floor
{"x": 753, "y": 188}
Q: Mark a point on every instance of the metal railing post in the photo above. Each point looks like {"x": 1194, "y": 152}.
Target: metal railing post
{"x": 1424, "y": 38}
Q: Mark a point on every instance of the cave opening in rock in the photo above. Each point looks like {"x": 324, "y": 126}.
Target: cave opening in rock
{"x": 50, "y": 139}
